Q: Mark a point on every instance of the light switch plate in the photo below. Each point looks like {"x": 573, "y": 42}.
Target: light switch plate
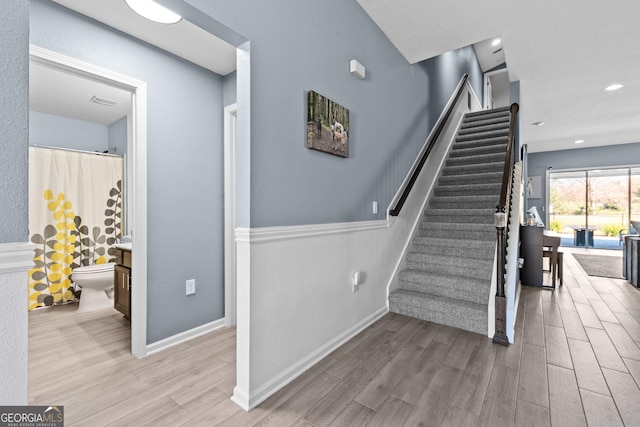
{"x": 191, "y": 286}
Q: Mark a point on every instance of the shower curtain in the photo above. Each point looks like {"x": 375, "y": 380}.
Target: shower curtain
{"x": 75, "y": 217}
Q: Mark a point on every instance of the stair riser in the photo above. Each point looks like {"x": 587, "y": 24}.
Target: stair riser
{"x": 465, "y": 270}
{"x": 447, "y": 219}
{"x": 480, "y": 143}
{"x": 441, "y": 244}
{"x": 423, "y": 261}
{"x": 476, "y": 130}
{"x": 444, "y": 291}
{"x": 481, "y": 136}
{"x": 460, "y": 252}
{"x": 475, "y": 160}
{"x": 474, "y": 320}
{"x": 486, "y": 178}
{"x": 478, "y": 151}
{"x": 472, "y": 169}
{"x": 488, "y": 203}
{"x": 466, "y": 190}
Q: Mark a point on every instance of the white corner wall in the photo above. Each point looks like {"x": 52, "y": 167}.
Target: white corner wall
{"x": 15, "y": 262}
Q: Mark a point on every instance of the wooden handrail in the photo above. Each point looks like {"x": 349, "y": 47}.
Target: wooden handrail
{"x": 508, "y": 160}
{"x": 501, "y": 221}
{"x": 431, "y": 140}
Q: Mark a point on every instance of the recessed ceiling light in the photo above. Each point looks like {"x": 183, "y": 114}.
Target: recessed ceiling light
{"x": 614, "y": 87}
{"x": 537, "y": 123}
{"x": 579, "y": 141}
{"x": 496, "y": 42}
{"x": 153, "y": 11}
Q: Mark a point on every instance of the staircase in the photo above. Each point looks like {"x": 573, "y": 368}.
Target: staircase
{"x": 447, "y": 278}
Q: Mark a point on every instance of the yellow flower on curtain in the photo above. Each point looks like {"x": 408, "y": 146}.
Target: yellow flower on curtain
{"x": 49, "y": 281}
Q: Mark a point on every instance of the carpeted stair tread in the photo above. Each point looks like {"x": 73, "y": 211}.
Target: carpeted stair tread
{"x": 472, "y": 189}
{"x": 478, "y": 143}
{"x": 464, "y": 216}
{"x": 440, "y": 263}
{"x": 460, "y": 251}
{"x": 473, "y": 168}
{"x": 485, "y": 135}
{"x": 485, "y": 129}
{"x": 471, "y": 289}
{"x": 439, "y": 244}
{"x": 459, "y": 314}
{"x": 486, "y": 121}
{"x": 463, "y": 202}
{"x": 462, "y": 231}
{"x": 468, "y": 179}
{"x": 487, "y": 113}
{"x": 477, "y": 151}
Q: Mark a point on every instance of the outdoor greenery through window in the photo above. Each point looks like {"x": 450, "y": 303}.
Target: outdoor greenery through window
{"x": 593, "y": 208}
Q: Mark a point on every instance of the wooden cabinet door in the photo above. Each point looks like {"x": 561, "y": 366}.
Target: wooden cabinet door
{"x": 122, "y": 295}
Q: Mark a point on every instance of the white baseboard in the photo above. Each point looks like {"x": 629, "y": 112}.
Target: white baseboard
{"x": 247, "y": 402}
{"x": 184, "y": 336}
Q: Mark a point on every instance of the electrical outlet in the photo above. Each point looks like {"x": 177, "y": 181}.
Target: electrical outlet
{"x": 191, "y": 286}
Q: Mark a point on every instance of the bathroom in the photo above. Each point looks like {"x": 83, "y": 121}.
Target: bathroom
{"x": 184, "y": 199}
{"x": 78, "y": 143}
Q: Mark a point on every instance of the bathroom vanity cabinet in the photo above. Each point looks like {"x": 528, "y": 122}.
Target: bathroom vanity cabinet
{"x": 122, "y": 283}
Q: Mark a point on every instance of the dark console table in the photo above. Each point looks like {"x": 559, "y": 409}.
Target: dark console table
{"x": 531, "y": 250}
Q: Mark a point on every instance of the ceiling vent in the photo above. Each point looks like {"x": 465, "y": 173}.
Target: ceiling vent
{"x": 104, "y": 101}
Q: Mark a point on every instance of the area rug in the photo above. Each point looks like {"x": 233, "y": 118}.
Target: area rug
{"x": 600, "y": 265}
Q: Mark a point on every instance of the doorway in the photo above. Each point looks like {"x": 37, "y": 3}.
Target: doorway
{"x": 594, "y": 208}
{"x": 496, "y": 93}
{"x": 136, "y": 174}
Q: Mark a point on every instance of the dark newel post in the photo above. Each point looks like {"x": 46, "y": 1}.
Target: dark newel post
{"x": 500, "y": 337}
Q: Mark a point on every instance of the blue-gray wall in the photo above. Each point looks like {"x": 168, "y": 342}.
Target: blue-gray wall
{"x": 294, "y": 47}
{"x": 63, "y": 132}
{"x": 579, "y": 158}
{"x": 297, "y": 46}
{"x": 14, "y": 111}
{"x": 118, "y": 136}
{"x": 185, "y": 163}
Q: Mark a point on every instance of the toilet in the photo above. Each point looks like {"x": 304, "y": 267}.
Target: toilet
{"x": 96, "y": 282}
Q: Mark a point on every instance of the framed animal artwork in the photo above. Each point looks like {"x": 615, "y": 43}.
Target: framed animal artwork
{"x": 327, "y": 125}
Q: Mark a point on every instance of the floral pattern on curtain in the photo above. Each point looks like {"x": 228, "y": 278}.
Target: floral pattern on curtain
{"x": 75, "y": 218}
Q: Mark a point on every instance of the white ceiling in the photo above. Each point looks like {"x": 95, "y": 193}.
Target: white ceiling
{"x": 564, "y": 53}
{"x": 182, "y": 39}
{"x": 54, "y": 92}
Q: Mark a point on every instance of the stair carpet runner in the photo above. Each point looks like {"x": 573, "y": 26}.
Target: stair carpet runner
{"x": 449, "y": 267}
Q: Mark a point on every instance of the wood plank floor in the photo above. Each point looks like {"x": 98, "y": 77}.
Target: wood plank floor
{"x": 576, "y": 362}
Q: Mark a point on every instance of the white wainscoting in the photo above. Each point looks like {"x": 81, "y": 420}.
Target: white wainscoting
{"x": 15, "y": 263}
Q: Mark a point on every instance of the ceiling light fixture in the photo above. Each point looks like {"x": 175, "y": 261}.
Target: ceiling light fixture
{"x": 153, "y": 11}
{"x": 496, "y": 42}
{"x": 537, "y": 123}
{"x": 579, "y": 141}
{"x": 614, "y": 87}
